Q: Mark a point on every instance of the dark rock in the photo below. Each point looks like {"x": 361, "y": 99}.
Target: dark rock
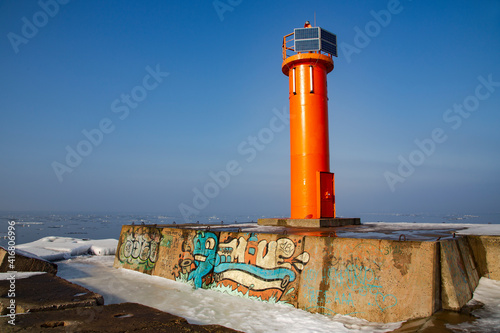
{"x": 124, "y": 317}
{"x": 46, "y": 292}
{"x": 25, "y": 264}
{"x": 471, "y": 306}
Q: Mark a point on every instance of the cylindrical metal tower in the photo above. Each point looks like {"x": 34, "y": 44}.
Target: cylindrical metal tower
{"x": 312, "y": 184}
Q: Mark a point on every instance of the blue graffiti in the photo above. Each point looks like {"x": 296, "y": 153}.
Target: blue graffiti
{"x": 261, "y": 273}
{"x": 205, "y": 252}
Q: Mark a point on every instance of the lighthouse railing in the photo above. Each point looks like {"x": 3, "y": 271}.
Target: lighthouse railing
{"x": 285, "y": 47}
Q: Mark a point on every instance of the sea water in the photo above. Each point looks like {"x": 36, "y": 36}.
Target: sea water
{"x": 31, "y": 226}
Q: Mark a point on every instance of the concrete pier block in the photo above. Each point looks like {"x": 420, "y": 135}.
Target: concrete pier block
{"x": 486, "y": 250}
{"x": 382, "y": 280}
{"x": 378, "y": 280}
{"x": 469, "y": 263}
{"x": 138, "y": 248}
{"x": 456, "y": 288}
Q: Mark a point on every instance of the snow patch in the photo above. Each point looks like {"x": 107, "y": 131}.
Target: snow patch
{"x": 203, "y": 306}
{"x": 19, "y": 275}
{"x": 54, "y": 248}
{"x": 488, "y": 293}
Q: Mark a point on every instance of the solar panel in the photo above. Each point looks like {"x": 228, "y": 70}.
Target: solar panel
{"x": 306, "y": 33}
{"x": 329, "y": 48}
{"x": 307, "y": 45}
{"x": 315, "y": 39}
{"x": 328, "y": 36}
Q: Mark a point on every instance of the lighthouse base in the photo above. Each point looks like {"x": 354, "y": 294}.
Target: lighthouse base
{"x": 310, "y": 223}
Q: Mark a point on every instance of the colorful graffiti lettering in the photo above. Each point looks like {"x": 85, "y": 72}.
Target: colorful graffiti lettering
{"x": 260, "y": 268}
{"x": 140, "y": 248}
{"x": 205, "y": 251}
{"x": 246, "y": 266}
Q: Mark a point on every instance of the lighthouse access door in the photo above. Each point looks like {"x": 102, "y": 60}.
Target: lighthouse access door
{"x": 326, "y": 194}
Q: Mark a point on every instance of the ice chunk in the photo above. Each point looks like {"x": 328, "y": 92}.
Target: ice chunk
{"x": 59, "y": 248}
{"x": 19, "y": 275}
{"x": 104, "y": 247}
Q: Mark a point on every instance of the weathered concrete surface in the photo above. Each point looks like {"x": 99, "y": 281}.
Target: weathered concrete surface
{"x": 46, "y": 292}
{"x": 486, "y": 250}
{"x": 412, "y": 231}
{"x": 383, "y": 280}
{"x": 25, "y": 264}
{"x": 114, "y": 318}
{"x": 175, "y": 257}
{"x": 138, "y": 248}
{"x": 459, "y": 276}
{"x": 261, "y": 266}
{"x": 378, "y": 280}
{"x": 469, "y": 263}
{"x": 310, "y": 223}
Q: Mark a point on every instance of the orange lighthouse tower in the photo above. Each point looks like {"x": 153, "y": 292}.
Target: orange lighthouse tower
{"x": 312, "y": 183}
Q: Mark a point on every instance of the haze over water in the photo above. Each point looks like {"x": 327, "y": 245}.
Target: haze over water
{"x": 31, "y": 226}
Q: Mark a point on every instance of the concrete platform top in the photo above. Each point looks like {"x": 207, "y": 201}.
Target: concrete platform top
{"x": 309, "y": 223}
{"x": 389, "y": 231}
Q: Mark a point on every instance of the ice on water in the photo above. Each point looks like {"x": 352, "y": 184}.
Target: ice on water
{"x": 59, "y": 248}
{"x": 488, "y": 293}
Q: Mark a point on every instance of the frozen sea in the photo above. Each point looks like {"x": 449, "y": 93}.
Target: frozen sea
{"x": 75, "y": 234}
{"x": 31, "y": 226}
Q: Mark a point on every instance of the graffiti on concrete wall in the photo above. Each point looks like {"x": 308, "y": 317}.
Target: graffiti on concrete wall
{"x": 204, "y": 253}
{"x": 246, "y": 266}
{"x": 139, "y": 247}
{"x": 196, "y": 259}
{"x": 351, "y": 279}
{"x": 258, "y": 268}
{"x": 362, "y": 277}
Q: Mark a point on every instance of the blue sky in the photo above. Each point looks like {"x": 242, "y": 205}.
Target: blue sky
{"x": 204, "y": 77}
